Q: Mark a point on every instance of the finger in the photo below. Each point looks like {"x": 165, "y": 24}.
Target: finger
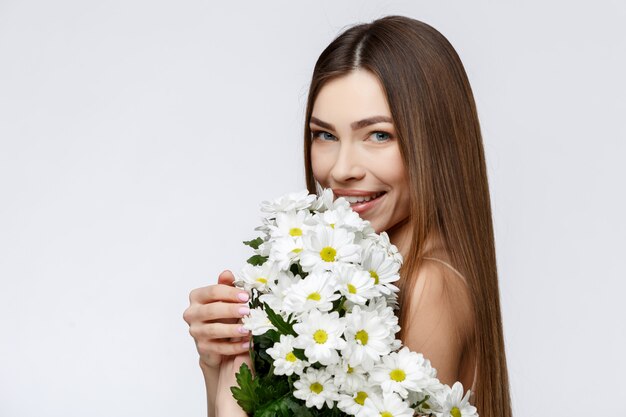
{"x": 223, "y": 348}
{"x": 226, "y": 278}
{"x": 218, "y": 292}
{"x": 207, "y": 333}
{"x": 220, "y": 310}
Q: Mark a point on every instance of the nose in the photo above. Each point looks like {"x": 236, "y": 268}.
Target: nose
{"x": 348, "y": 165}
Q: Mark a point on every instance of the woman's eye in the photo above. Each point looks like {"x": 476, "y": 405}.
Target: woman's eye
{"x": 380, "y": 136}
{"x": 322, "y": 135}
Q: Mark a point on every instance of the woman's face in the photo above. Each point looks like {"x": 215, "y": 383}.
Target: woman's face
{"x": 355, "y": 151}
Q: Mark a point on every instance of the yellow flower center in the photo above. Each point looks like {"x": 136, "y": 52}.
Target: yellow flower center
{"x": 291, "y": 357}
{"x": 360, "y": 398}
{"x": 261, "y": 280}
{"x": 397, "y": 375}
{"x": 455, "y": 412}
{"x": 315, "y": 296}
{"x": 385, "y": 414}
{"x": 297, "y": 250}
{"x": 374, "y": 275}
{"x": 316, "y": 387}
{"x": 295, "y": 231}
{"x": 320, "y": 336}
{"x": 350, "y": 369}
{"x": 362, "y": 337}
{"x": 351, "y": 289}
{"x": 328, "y": 254}
{"x": 332, "y": 225}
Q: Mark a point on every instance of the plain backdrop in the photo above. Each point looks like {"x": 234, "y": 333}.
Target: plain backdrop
{"x": 137, "y": 139}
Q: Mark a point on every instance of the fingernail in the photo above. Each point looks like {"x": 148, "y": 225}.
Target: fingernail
{"x": 244, "y": 310}
{"x": 245, "y": 345}
{"x": 243, "y": 296}
{"x": 243, "y": 330}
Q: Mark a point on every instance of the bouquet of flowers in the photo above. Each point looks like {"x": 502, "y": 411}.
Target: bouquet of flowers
{"x": 323, "y": 323}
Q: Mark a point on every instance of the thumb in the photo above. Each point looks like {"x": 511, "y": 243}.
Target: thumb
{"x": 226, "y": 278}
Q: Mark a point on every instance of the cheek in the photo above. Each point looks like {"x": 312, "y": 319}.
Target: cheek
{"x": 319, "y": 166}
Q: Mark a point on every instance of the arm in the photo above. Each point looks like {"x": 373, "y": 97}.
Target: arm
{"x": 211, "y": 376}
{"x": 439, "y": 320}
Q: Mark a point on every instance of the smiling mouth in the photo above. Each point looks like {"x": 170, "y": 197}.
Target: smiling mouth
{"x": 362, "y": 198}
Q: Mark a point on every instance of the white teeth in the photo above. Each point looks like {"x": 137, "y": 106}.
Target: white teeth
{"x": 361, "y": 199}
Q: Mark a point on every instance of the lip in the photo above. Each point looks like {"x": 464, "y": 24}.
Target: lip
{"x": 361, "y": 208}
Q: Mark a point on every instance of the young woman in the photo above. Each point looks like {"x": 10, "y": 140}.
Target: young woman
{"x": 391, "y": 124}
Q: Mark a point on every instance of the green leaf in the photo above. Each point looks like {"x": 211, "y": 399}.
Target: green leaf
{"x": 254, "y": 243}
{"x": 246, "y": 391}
{"x": 257, "y": 260}
{"x": 277, "y": 320}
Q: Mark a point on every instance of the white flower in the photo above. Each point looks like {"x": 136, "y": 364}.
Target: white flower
{"x": 403, "y": 371}
{"x": 285, "y": 251}
{"x": 292, "y": 201}
{"x": 278, "y": 290}
{"x": 367, "y": 338}
{"x": 325, "y": 201}
{"x": 317, "y": 290}
{"x": 316, "y": 387}
{"x": 291, "y": 224}
{"x": 347, "y": 378}
{"x": 257, "y": 322}
{"x": 324, "y": 246}
{"x": 352, "y": 402}
{"x": 382, "y": 268}
{"x": 355, "y": 284}
{"x": 319, "y": 334}
{"x": 389, "y": 405}
{"x": 257, "y": 277}
{"x": 454, "y": 404}
{"x": 285, "y": 362}
{"x": 341, "y": 217}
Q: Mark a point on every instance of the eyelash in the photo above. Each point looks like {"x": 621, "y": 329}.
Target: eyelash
{"x": 316, "y": 133}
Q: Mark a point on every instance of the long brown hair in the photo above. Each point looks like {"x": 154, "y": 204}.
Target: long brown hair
{"x": 435, "y": 117}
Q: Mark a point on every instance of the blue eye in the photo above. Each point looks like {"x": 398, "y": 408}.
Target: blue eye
{"x": 380, "y": 136}
{"x": 322, "y": 135}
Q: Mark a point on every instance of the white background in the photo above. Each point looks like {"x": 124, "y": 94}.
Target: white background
{"x": 138, "y": 137}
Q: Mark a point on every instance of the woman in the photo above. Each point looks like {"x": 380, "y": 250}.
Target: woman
{"x": 391, "y": 124}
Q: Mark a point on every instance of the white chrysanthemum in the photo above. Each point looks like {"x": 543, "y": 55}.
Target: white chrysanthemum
{"x": 367, "y": 338}
{"x": 454, "y": 404}
{"x": 355, "y": 284}
{"x": 285, "y": 251}
{"x": 257, "y": 322}
{"x": 316, "y": 387}
{"x": 352, "y": 402}
{"x": 392, "y": 250}
{"x": 389, "y": 405}
{"x": 326, "y": 201}
{"x": 285, "y": 362}
{"x": 291, "y": 224}
{"x": 319, "y": 334}
{"x": 278, "y": 290}
{"x": 382, "y": 268}
{"x": 257, "y": 277}
{"x": 341, "y": 217}
{"x": 347, "y": 378}
{"x": 293, "y": 201}
{"x": 403, "y": 371}
{"x": 317, "y": 290}
{"x": 387, "y": 316}
{"x": 324, "y": 246}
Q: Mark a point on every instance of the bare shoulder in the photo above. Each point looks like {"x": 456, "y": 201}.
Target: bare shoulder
{"x": 440, "y": 291}
{"x": 439, "y": 317}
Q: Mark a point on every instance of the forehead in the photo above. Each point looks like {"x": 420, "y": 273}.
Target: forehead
{"x": 351, "y": 97}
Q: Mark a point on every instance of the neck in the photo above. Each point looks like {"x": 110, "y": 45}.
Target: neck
{"x": 400, "y": 235}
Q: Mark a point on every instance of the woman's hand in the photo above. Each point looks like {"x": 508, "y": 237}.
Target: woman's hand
{"x": 213, "y": 316}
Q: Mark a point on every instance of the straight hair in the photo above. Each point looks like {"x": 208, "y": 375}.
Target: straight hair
{"x": 436, "y": 121}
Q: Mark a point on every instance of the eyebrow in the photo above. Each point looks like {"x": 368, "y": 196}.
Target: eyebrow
{"x": 355, "y": 125}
